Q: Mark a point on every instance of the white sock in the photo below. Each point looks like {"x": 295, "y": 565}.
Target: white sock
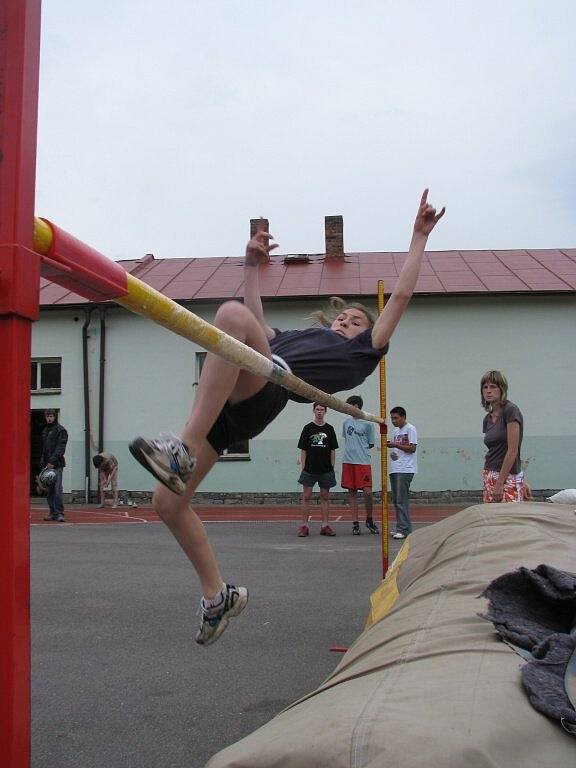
{"x": 218, "y": 599}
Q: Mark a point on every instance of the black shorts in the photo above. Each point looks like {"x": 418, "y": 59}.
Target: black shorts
{"x": 248, "y": 418}
{"x": 325, "y": 480}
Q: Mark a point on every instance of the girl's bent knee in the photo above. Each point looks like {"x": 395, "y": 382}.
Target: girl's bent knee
{"x": 231, "y": 314}
{"x": 166, "y": 504}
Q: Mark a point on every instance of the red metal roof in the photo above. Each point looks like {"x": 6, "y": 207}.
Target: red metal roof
{"x": 444, "y": 272}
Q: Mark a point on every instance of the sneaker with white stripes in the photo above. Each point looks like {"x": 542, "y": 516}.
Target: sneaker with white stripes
{"x": 167, "y": 458}
{"x": 215, "y": 620}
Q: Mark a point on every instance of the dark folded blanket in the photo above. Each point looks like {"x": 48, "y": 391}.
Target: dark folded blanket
{"x": 535, "y": 610}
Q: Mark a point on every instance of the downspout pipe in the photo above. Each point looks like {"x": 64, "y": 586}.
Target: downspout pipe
{"x": 85, "y": 326}
{"x": 101, "y": 393}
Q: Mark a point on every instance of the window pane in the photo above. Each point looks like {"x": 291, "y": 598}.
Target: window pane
{"x": 200, "y": 360}
{"x": 50, "y": 375}
{"x": 34, "y": 376}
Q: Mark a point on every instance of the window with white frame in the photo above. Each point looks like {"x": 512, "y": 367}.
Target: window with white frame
{"x": 239, "y": 450}
{"x": 46, "y": 375}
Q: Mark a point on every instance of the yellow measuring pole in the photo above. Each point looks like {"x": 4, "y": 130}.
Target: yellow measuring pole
{"x": 385, "y": 539}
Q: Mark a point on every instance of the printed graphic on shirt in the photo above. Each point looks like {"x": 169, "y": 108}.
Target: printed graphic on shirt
{"x": 320, "y": 439}
{"x": 405, "y": 461}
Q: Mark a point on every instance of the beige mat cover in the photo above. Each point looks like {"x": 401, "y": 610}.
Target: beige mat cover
{"x": 429, "y": 685}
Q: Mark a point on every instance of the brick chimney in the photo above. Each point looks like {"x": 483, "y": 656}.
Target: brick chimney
{"x": 334, "y": 237}
{"x": 255, "y": 223}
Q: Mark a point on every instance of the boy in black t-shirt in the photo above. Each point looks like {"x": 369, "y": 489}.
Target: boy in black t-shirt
{"x": 317, "y": 445}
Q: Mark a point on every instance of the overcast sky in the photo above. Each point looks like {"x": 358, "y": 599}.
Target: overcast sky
{"x": 165, "y": 126}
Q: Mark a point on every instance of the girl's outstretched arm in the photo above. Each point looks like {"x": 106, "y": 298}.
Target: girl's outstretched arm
{"x": 257, "y": 252}
{"x": 426, "y": 220}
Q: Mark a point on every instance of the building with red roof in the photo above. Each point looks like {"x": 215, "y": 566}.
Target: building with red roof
{"x": 514, "y": 310}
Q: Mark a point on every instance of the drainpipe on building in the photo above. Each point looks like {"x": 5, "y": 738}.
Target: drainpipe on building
{"x": 85, "y": 325}
{"x": 101, "y": 402}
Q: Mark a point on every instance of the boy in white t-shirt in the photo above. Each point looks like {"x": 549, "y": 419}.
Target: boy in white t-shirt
{"x": 403, "y": 467}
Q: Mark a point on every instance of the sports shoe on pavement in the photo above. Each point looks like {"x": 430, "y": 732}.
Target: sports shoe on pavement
{"x": 398, "y": 535}
{"x": 166, "y": 458}
{"x": 371, "y": 525}
{"x": 50, "y": 518}
{"x": 355, "y": 529}
{"x": 215, "y": 620}
{"x": 303, "y": 531}
{"x": 60, "y": 518}
{"x": 327, "y": 531}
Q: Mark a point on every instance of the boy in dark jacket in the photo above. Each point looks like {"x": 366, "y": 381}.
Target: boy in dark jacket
{"x": 54, "y": 439}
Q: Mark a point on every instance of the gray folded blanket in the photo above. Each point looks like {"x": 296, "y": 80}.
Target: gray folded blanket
{"x": 535, "y": 610}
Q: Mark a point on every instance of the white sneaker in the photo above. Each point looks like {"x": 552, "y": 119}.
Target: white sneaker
{"x": 215, "y": 620}
{"x": 398, "y": 535}
{"x": 167, "y": 458}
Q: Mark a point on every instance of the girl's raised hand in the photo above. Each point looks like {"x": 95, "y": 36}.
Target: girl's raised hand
{"x": 259, "y": 248}
{"x": 426, "y": 218}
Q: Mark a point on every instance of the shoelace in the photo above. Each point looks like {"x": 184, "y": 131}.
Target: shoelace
{"x": 168, "y": 441}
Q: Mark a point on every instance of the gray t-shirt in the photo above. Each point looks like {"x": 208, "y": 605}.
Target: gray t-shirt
{"x": 496, "y": 438}
{"x": 358, "y": 436}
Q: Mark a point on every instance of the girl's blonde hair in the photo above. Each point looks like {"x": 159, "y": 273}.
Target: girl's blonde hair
{"x": 336, "y": 306}
{"x": 497, "y": 378}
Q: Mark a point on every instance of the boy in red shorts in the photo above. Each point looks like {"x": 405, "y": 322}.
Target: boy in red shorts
{"x": 356, "y": 465}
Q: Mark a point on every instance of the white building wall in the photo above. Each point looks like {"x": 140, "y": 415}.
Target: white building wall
{"x": 438, "y": 353}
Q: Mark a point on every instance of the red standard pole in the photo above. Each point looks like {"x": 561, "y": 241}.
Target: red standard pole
{"x": 19, "y": 281}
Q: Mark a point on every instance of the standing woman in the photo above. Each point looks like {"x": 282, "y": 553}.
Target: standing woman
{"x": 503, "y": 428}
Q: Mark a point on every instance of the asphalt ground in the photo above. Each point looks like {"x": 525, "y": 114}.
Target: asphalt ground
{"x": 118, "y": 681}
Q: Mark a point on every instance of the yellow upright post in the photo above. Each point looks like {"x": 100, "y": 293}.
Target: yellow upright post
{"x": 384, "y": 528}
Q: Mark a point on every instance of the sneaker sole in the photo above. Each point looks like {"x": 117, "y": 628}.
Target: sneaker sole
{"x": 236, "y": 610}
{"x": 141, "y": 451}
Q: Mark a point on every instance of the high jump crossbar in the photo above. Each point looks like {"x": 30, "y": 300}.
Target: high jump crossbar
{"x": 74, "y": 265}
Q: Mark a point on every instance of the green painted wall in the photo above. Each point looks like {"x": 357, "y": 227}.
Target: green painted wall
{"x": 438, "y": 353}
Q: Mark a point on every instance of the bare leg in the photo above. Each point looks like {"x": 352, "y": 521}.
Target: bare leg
{"x": 324, "y": 504}
{"x": 306, "y": 496}
{"x": 353, "y": 497}
{"x": 219, "y": 383}
{"x": 222, "y": 381}
{"x": 187, "y": 527}
{"x": 368, "y": 502}
{"x": 114, "y": 483}
{"x": 102, "y": 480}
